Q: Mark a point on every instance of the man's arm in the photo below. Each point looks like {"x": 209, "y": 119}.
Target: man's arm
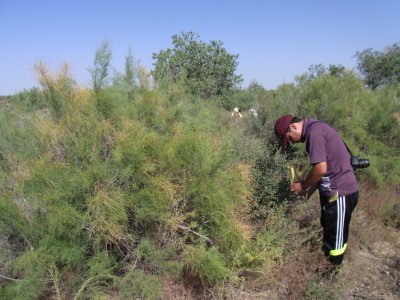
{"x": 309, "y": 184}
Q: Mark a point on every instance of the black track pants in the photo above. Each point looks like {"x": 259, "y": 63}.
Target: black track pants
{"x": 335, "y": 221}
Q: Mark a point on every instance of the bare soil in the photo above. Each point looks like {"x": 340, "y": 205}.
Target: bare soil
{"x": 373, "y": 265}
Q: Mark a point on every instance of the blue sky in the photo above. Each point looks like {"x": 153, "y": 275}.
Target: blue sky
{"x": 275, "y": 40}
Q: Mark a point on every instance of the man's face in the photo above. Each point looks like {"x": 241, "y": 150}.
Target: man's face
{"x": 293, "y": 133}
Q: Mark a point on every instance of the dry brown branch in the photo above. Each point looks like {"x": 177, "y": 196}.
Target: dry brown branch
{"x": 55, "y": 281}
{"x": 196, "y": 233}
{"x": 9, "y": 278}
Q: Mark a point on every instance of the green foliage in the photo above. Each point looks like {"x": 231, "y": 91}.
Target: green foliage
{"x": 101, "y": 65}
{"x": 24, "y": 290}
{"x": 128, "y": 81}
{"x": 384, "y": 117}
{"x": 380, "y": 68}
{"x": 206, "y": 69}
{"x": 108, "y": 101}
{"x": 316, "y": 71}
{"x": 391, "y": 213}
{"x": 208, "y": 264}
{"x": 152, "y": 258}
{"x": 243, "y": 99}
{"x": 103, "y": 177}
{"x": 101, "y": 264}
{"x": 139, "y": 285}
{"x": 273, "y": 240}
{"x": 11, "y": 218}
{"x": 213, "y": 186}
{"x": 108, "y": 192}
{"x": 273, "y": 104}
{"x": 271, "y": 179}
{"x": 150, "y": 206}
{"x": 35, "y": 275}
{"x": 329, "y": 98}
{"x": 100, "y": 277}
{"x": 319, "y": 290}
{"x": 29, "y": 99}
{"x": 130, "y": 71}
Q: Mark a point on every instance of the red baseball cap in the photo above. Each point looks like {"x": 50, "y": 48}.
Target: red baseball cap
{"x": 281, "y": 127}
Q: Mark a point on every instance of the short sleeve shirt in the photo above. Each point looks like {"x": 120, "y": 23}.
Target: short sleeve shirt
{"x": 324, "y": 144}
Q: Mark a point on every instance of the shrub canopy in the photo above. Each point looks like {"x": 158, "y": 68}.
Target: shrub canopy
{"x": 205, "y": 69}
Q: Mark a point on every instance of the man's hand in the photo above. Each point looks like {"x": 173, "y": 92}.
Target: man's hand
{"x": 296, "y": 188}
{"x": 308, "y": 186}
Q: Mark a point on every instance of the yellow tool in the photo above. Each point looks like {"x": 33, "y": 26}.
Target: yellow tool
{"x": 292, "y": 174}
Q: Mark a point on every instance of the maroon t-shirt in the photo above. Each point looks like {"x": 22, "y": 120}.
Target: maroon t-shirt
{"x": 323, "y": 144}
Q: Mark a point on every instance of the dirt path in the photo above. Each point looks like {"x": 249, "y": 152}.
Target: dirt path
{"x": 373, "y": 266}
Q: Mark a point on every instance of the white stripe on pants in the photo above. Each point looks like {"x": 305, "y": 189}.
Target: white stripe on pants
{"x": 341, "y": 214}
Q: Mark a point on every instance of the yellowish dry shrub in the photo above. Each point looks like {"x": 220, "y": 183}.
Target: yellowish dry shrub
{"x": 107, "y": 216}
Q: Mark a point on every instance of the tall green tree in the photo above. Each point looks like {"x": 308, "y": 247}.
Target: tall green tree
{"x": 380, "y": 68}
{"x": 130, "y": 70}
{"x": 101, "y": 66}
{"x": 206, "y": 69}
{"x": 128, "y": 80}
{"x": 316, "y": 71}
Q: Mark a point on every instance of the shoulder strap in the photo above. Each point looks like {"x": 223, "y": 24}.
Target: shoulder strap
{"x": 348, "y": 149}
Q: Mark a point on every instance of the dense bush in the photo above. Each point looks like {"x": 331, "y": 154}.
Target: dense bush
{"x": 205, "y": 69}
{"x": 111, "y": 191}
{"x": 380, "y": 67}
{"x": 103, "y": 180}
